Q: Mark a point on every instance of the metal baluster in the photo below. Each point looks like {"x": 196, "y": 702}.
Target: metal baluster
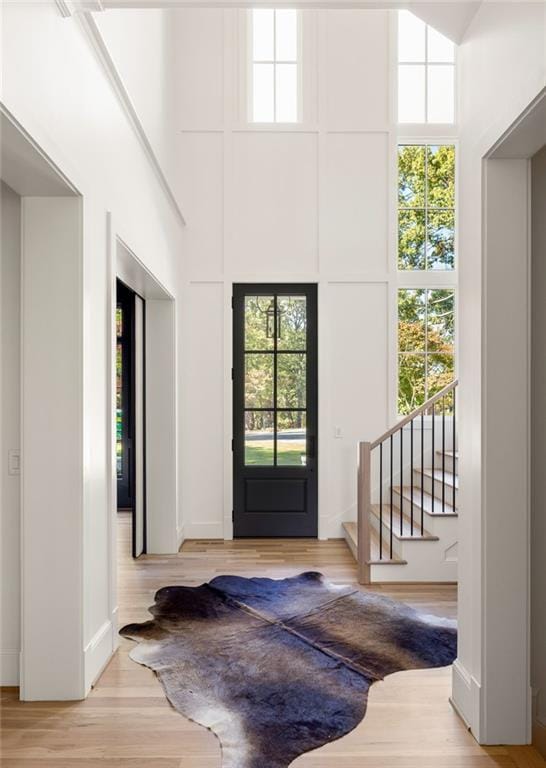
{"x": 401, "y": 433}
{"x": 380, "y": 501}
{"x": 443, "y": 455}
{"x": 411, "y": 476}
{"x": 422, "y": 471}
{"x": 454, "y": 449}
{"x": 390, "y": 537}
{"x": 432, "y": 482}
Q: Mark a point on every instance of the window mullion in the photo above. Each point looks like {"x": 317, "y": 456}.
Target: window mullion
{"x": 426, "y": 73}
{"x": 275, "y": 66}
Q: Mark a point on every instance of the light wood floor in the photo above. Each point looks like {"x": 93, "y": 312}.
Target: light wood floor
{"x": 127, "y": 723}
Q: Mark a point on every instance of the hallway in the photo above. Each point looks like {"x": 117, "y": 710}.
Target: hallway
{"x": 127, "y": 723}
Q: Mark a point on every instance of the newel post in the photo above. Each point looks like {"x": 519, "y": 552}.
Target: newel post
{"x": 364, "y": 502}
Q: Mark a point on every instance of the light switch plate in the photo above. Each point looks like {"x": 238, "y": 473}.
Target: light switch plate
{"x": 14, "y": 461}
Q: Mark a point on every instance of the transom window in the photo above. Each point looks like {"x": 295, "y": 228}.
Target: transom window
{"x": 426, "y": 73}
{"x": 426, "y": 207}
{"x": 274, "y": 66}
{"x": 426, "y": 344}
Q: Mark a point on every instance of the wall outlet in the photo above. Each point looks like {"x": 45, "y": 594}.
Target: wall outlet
{"x": 14, "y": 461}
{"x": 338, "y": 432}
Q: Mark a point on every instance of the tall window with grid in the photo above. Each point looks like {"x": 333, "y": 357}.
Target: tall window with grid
{"x": 274, "y": 66}
{"x": 426, "y": 73}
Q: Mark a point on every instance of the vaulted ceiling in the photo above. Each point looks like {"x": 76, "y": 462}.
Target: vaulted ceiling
{"x": 451, "y": 17}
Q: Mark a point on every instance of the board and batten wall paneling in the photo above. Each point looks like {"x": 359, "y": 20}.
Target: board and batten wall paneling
{"x": 199, "y": 68}
{"x": 358, "y": 365}
{"x": 355, "y": 67}
{"x": 274, "y": 223}
{"x": 354, "y": 215}
{"x": 200, "y": 187}
{"x": 307, "y": 202}
{"x": 202, "y": 411}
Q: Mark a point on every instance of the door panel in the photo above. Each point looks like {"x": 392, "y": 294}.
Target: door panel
{"x": 130, "y": 412}
{"x": 275, "y": 410}
{"x": 125, "y": 422}
{"x": 138, "y": 508}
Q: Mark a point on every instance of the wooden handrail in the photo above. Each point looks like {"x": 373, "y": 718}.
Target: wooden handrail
{"x": 364, "y": 493}
{"x": 414, "y": 414}
{"x": 363, "y": 509}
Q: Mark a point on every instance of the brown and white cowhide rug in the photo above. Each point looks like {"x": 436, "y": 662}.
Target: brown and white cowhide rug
{"x": 277, "y": 668}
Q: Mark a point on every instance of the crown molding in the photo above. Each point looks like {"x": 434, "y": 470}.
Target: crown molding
{"x": 96, "y": 40}
{"x": 68, "y": 8}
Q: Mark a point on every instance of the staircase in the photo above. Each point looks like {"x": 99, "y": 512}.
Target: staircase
{"x": 407, "y": 498}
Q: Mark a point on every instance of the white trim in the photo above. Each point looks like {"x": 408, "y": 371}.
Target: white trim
{"x": 9, "y": 667}
{"x": 96, "y": 40}
{"x": 205, "y": 530}
{"x": 97, "y": 654}
{"x": 180, "y": 535}
{"x": 4, "y": 111}
{"x": 465, "y": 697}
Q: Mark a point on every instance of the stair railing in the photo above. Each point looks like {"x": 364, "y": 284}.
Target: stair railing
{"x": 443, "y": 405}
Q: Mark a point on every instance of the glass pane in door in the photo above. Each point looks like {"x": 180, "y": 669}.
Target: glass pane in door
{"x": 260, "y": 438}
{"x": 292, "y": 332}
{"x": 291, "y": 438}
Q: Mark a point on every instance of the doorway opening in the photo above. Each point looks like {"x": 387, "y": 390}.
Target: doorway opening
{"x": 130, "y": 404}
{"x": 275, "y": 410}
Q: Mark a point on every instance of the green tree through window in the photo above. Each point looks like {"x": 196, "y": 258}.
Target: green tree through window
{"x": 426, "y": 339}
{"x": 426, "y": 207}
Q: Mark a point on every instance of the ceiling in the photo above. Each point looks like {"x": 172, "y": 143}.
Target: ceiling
{"x": 451, "y": 17}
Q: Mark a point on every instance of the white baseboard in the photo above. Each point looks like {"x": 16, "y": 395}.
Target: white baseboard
{"x": 180, "y": 535}
{"x": 539, "y": 737}
{"x": 465, "y": 698}
{"x": 210, "y": 530}
{"x": 98, "y": 653}
{"x": 9, "y": 667}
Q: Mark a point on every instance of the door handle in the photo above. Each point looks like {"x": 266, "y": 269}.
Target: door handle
{"x": 311, "y": 447}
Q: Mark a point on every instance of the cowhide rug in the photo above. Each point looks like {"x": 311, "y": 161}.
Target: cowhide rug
{"x": 277, "y": 668}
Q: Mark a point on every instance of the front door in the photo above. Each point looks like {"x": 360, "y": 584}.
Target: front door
{"x": 275, "y": 410}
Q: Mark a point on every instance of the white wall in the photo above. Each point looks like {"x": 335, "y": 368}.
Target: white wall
{"x": 501, "y": 71}
{"x": 142, "y": 46}
{"x": 10, "y": 434}
{"x": 54, "y": 84}
{"x": 308, "y": 203}
{"x": 538, "y": 456}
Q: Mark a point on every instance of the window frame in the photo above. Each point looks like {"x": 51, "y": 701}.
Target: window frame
{"x": 416, "y": 278}
{"x": 426, "y": 353}
{"x": 426, "y": 63}
{"x": 249, "y": 59}
{"x": 429, "y": 142}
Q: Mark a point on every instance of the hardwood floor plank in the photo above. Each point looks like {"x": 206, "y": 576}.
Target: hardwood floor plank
{"x": 126, "y": 722}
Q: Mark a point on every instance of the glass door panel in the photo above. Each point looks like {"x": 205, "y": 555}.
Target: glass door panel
{"x": 275, "y": 410}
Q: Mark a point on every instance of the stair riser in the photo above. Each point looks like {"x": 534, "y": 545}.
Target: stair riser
{"x": 416, "y": 510}
{"x": 396, "y": 544}
{"x": 452, "y": 464}
{"x": 435, "y": 487}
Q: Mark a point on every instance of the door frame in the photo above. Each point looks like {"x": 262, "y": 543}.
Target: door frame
{"x": 241, "y": 289}
{"x": 124, "y": 299}
{"x": 163, "y": 534}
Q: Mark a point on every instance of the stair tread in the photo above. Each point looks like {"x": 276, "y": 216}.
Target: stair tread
{"x": 352, "y": 531}
{"x": 448, "y": 477}
{"x": 451, "y": 454}
{"x": 427, "y": 502}
{"x": 406, "y": 524}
